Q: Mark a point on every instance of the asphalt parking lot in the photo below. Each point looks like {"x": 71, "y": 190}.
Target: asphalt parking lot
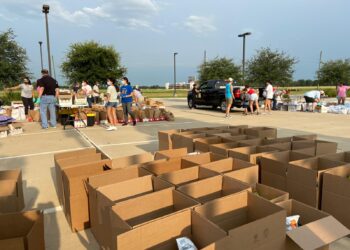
{"x": 33, "y": 153}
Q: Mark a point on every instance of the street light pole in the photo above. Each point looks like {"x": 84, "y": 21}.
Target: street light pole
{"x": 175, "y": 73}
{"x": 41, "y": 54}
{"x": 46, "y": 9}
{"x": 243, "y": 58}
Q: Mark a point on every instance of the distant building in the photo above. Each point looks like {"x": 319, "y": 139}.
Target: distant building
{"x": 180, "y": 85}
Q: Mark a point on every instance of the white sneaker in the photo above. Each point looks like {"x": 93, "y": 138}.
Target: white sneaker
{"x": 111, "y": 128}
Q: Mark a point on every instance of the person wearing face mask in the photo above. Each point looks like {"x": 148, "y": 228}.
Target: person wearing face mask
{"x": 126, "y": 93}
{"x": 112, "y": 103}
{"x": 88, "y": 92}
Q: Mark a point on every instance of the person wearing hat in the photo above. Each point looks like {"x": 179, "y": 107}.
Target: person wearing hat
{"x": 313, "y": 97}
{"x": 229, "y": 97}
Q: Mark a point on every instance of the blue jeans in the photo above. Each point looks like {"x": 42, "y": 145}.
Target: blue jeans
{"x": 48, "y": 102}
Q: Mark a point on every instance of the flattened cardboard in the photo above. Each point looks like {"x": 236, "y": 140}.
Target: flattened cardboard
{"x": 250, "y": 154}
{"x": 109, "y": 195}
{"x": 304, "y": 179}
{"x": 127, "y": 161}
{"x": 171, "y": 153}
{"x": 274, "y": 168}
{"x": 223, "y": 148}
{"x": 23, "y": 230}
{"x": 187, "y": 223}
{"x": 161, "y": 167}
{"x": 213, "y": 188}
{"x": 336, "y": 194}
{"x": 187, "y": 175}
{"x": 203, "y": 144}
{"x": 272, "y": 194}
{"x": 11, "y": 191}
{"x": 318, "y": 229}
{"x": 250, "y": 221}
{"x": 200, "y": 159}
{"x": 321, "y": 147}
{"x": 262, "y": 132}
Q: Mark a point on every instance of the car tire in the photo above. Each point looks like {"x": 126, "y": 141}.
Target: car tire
{"x": 223, "y": 105}
{"x": 190, "y": 103}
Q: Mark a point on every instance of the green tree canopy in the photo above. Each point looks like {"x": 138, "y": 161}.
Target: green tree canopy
{"x": 333, "y": 72}
{"x": 93, "y": 62}
{"x": 13, "y": 60}
{"x": 219, "y": 68}
{"x": 270, "y": 65}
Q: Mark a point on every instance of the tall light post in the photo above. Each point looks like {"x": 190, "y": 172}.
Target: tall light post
{"x": 41, "y": 54}
{"x": 243, "y": 59}
{"x": 46, "y": 9}
{"x": 175, "y": 73}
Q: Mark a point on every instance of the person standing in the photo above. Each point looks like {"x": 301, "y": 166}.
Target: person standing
{"x": 126, "y": 94}
{"x": 268, "y": 94}
{"x": 87, "y": 92}
{"x": 48, "y": 92}
{"x": 26, "y": 94}
{"x": 229, "y": 97}
{"x": 341, "y": 93}
{"x": 112, "y": 103}
{"x": 96, "y": 92}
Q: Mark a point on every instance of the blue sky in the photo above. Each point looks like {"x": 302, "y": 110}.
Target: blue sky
{"x": 147, "y": 32}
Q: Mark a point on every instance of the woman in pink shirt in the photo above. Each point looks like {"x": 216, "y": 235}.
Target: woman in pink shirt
{"x": 341, "y": 93}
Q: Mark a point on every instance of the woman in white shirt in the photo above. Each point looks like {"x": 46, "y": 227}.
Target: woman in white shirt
{"x": 26, "y": 93}
{"x": 112, "y": 103}
{"x": 139, "y": 99}
{"x": 268, "y": 94}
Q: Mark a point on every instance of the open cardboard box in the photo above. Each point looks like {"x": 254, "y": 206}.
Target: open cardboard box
{"x": 251, "y": 142}
{"x": 185, "y": 140}
{"x": 318, "y": 229}
{"x": 109, "y": 195}
{"x": 164, "y": 138}
{"x": 235, "y": 168}
{"x": 122, "y": 162}
{"x": 76, "y": 205}
{"x": 262, "y": 132}
{"x": 250, "y": 221}
{"x": 170, "y": 153}
{"x": 343, "y": 157}
{"x": 73, "y": 154}
{"x": 274, "y": 168}
{"x": 11, "y": 191}
{"x": 147, "y": 208}
{"x": 250, "y": 154}
{"x": 272, "y": 194}
{"x": 236, "y": 138}
{"x": 203, "y": 144}
{"x": 315, "y": 147}
{"x": 187, "y": 175}
{"x": 304, "y": 179}
{"x": 161, "y": 167}
{"x": 223, "y": 148}
{"x": 204, "y": 158}
{"x": 22, "y": 231}
{"x": 278, "y": 140}
{"x": 336, "y": 194}
{"x": 281, "y": 146}
{"x": 310, "y": 137}
{"x": 213, "y": 188}
{"x": 162, "y": 234}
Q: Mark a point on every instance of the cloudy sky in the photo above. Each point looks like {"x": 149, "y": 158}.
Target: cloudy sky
{"x": 147, "y": 32}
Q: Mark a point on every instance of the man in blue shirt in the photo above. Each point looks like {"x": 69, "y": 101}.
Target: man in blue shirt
{"x": 126, "y": 93}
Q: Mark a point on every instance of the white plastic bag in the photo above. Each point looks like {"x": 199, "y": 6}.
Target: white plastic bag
{"x": 292, "y": 222}
{"x": 185, "y": 243}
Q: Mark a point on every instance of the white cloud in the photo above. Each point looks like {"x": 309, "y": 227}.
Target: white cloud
{"x": 200, "y": 24}
{"x": 132, "y": 14}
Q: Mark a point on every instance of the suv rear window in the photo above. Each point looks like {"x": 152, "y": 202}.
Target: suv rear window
{"x": 220, "y": 84}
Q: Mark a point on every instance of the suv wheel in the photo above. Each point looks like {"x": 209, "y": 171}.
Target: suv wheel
{"x": 223, "y": 106}
{"x": 191, "y": 103}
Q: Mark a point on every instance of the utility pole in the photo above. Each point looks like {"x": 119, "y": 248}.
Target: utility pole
{"x": 53, "y": 66}
{"x": 205, "y": 57}
{"x": 175, "y": 73}
{"x": 41, "y": 54}
{"x": 243, "y": 57}
{"x": 46, "y": 9}
{"x": 319, "y": 67}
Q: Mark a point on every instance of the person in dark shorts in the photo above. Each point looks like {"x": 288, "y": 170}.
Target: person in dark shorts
{"x": 313, "y": 97}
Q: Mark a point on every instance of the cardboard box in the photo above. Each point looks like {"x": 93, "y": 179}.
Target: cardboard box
{"x": 251, "y": 142}
{"x": 319, "y": 147}
{"x": 127, "y": 161}
{"x": 250, "y": 154}
{"x": 237, "y": 169}
{"x": 187, "y": 175}
{"x": 304, "y": 179}
{"x": 72, "y": 154}
{"x": 336, "y": 194}
{"x": 213, "y": 188}
{"x": 281, "y": 146}
{"x": 272, "y": 194}
{"x": 223, "y": 148}
{"x": 24, "y": 230}
{"x": 343, "y": 157}
{"x": 203, "y": 144}
{"x": 165, "y": 166}
{"x": 170, "y": 153}
{"x": 111, "y": 194}
{"x": 311, "y": 137}
{"x": 185, "y": 140}
{"x": 200, "y": 159}
{"x": 274, "y": 168}
{"x": 188, "y": 223}
{"x": 147, "y": 208}
{"x": 317, "y": 230}
{"x": 11, "y": 191}
{"x": 262, "y": 132}
{"x": 164, "y": 138}
{"x": 76, "y": 205}
{"x": 237, "y": 138}
{"x": 250, "y": 221}
{"x": 278, "y": 140}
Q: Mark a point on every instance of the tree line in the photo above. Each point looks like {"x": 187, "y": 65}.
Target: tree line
{"x": 95, "y": 62}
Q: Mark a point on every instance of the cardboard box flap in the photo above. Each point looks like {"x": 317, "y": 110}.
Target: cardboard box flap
{"x": 127, "y": 161}
{"x": 12, "y": 244}
{"x": 8, "y": 188}
{"x": 166, "y": 154}
{"x": 318, "y": 233}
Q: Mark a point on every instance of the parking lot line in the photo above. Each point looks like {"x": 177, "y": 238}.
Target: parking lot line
{"x": 127, "y": 143}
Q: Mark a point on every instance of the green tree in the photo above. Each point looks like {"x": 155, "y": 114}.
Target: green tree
{"x": 270, "y": 65}
{"x": 333, "y": 72}
{"x": 219, "y": 68}
{"x": 13, "y": 60}
{"x": 93, "y": 62}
